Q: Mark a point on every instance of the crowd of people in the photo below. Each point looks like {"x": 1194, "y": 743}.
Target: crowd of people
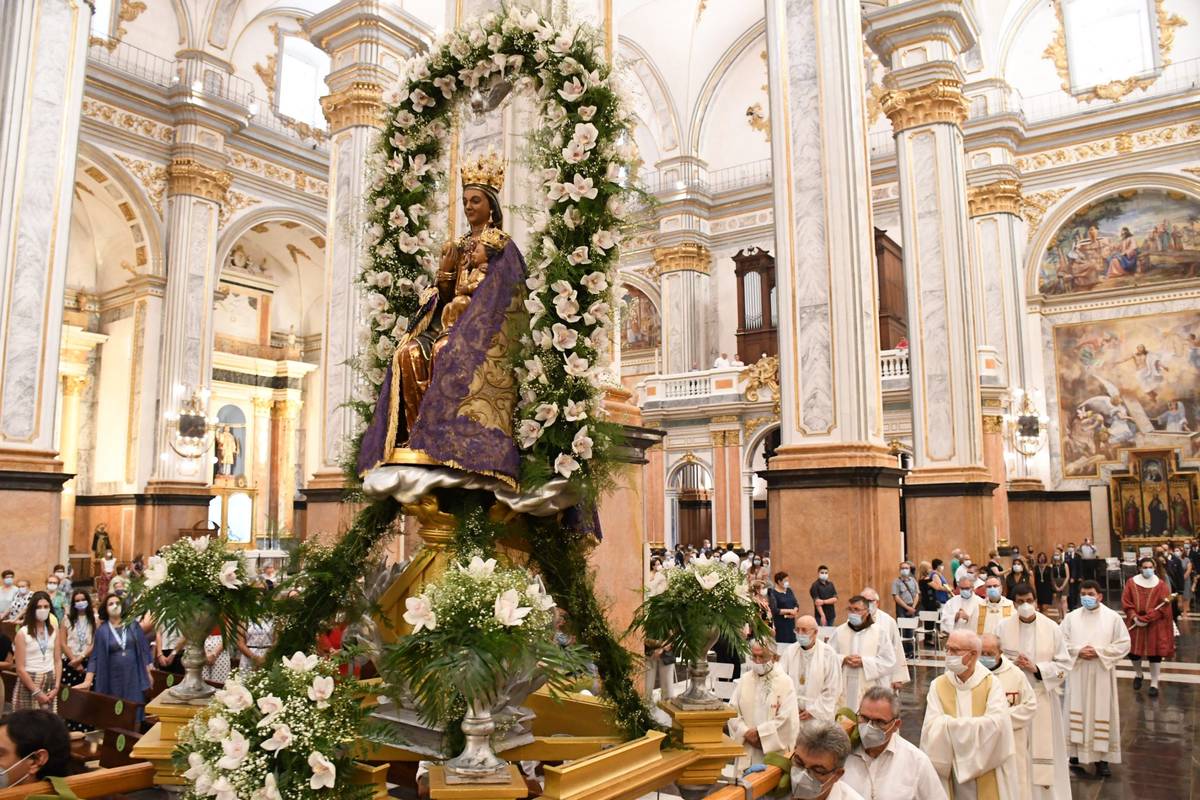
{"x": 1028, "y": 693}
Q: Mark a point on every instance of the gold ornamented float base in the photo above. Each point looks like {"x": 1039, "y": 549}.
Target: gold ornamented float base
{"x": 441, "y": 789}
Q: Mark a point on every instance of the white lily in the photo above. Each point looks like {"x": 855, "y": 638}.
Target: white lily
{"x": 281, "y": 739}
{"x": 299, "y": 662}
{"x": 324, "y": 772}
{"x": 156, "y": 571}
{"x": 419, "y": 613}
{"x": 478, "y": 568}
{"x": 708, "y": 581}
{"x": 539, "y": 598}
{"x": 235, "y": 748}
{"x": 509, "y": 611}
{"x": 228, "y": 575}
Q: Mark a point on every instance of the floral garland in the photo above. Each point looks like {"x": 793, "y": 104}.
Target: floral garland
{"x": 580, "y": 157}
{"x": 281, "y": 733}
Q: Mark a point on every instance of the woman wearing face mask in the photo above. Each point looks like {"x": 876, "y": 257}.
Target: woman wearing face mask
{"x": 78, "y": 638}
{"x": 38, "y": 655}
{"x": 657, "y": 583}
{"x": 34, "y": 746}
{"x": 758, "y": 591}
{"x": 20, "y": 601}
{"x": 120, "y": 662}
{"x": 1043, "y": 582}
{"x": 1016, "y": 576}
{"x": 1146, "y": 602}
{"x": 758, "y": 572}
{"x": 784, "y": 609}
{"x": 58, "y": 600}
{"x": 1060, "y": 577}
{"x": 108, "y": 568}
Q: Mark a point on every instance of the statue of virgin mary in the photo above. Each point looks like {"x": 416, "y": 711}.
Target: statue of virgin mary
{"x": 448, "y": 397}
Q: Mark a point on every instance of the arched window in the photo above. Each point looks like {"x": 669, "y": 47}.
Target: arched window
{"x": 1109, "y": 40}
{"x": 102, "y": 19}
{"x": 302, "y": 71}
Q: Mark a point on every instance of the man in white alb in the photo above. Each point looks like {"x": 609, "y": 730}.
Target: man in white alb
{"x": 1096, "y": 639}
{"x": 995, "y": 608}
{"x": 886, "y": 766}
{"x": 868, "y": 657}
{"x": 959, "y": 611}
{"x": 815, "y": 670}
{"x": 1033, "y": 642}
{"x": 887, "y": 624}
{"x": 1022, "y": 706}
{"x": 967, "y": 734}
{"x": 765, "y": 702}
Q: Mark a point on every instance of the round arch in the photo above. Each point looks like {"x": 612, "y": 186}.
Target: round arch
{"x": 660, "y": 96}
{"x": 644, "y": 286}
{"x": 712, "y": 83}
{"x": 150, "y": 220}
{"x": 1068, "y": 205}
{"x": 239, "y": 228}
{"x": 756, "y": 439}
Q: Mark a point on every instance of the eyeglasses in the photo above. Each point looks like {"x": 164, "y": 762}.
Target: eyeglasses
{"x": 878, "y": 723}
{"x": 819, "y": 772}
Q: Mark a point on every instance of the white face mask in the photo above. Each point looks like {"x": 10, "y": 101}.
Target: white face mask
{"x": 871, "y": 736}
{"x": 1018, "y": 568}
{"x": 805, "y": 785}
{"x": 1026, "y": 611}
{"x": 114, "y": 611}
{"x": 786, "y": 584}
{"x": 42, "y": 614}
{"x": 823, "y": 576}
{"x": 5, "y": 780}
{"x": 804, "y": 640}
{"x": 762, "y": 669}
{"x": 763, "y": 591}
{"x": 955, "y": 665}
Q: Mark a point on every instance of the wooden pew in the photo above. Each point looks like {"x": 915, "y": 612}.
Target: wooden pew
{"x": 113, "y": 782}
{"x": 116, "y": 717}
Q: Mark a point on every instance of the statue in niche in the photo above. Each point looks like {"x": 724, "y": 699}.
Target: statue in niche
{"x": 448, "y": 397}
{"x": 101, "y": 544}
{"x": 227, "y": 450}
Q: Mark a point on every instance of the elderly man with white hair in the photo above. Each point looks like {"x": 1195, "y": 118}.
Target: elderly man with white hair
{"x": 765, "y": 701}
{"x": 886, "y": 766}
{"x": 815, "y": 670}
{"x": 961, "y": 610}
{"x": 819, "y": 763}
{"x": 967, "y": 733}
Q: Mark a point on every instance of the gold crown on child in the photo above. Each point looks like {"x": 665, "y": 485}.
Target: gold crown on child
{"x": 486, "y": 170}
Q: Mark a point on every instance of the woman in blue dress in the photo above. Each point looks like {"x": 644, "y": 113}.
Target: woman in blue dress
{"x": 120, "y": 662}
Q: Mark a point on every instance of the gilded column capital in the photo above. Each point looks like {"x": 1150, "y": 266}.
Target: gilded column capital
{"x": 997, "y": 197}
{"x": 993, "y": 423}
{"x": 360, "y": 103}
{"x": 287, "y": 409}
{"x": 686, "y": 257}
{"x": 940, "y": 100}
{"x": 74, "y": 385}
{"x": 262, "y": 406}
{"x": 189, "y": 176}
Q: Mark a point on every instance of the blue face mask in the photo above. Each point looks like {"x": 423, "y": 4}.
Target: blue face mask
{"x": 965, "y": 594}
{"x": 1089, "y": 602}
{"x": 993, "y": 593}
{"x": 1148, "y": 572}
{"x": 856, "y": 620}
{"x": 804, "y": 640}
{"x": 989, "y": 661}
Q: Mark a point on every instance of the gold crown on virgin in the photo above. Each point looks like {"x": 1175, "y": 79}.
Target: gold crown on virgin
{"x": 486, "y": 170}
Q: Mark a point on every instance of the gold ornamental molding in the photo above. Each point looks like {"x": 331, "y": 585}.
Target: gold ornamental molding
{"x": 993, "y": 423}
{"x": 1111, "y": 147}
{"x": 941, "y": 100}
{"x": 189, "y": 176}
{"x": 128, "y": 11}
{"x": 686, "y": 257}
{"x": 360, "y": 103}
{"x": 1034, "y": 206}
{"x": 1056, "y": 52}
{"x": 997, "y": 197}
{"x": 762, "y": 374}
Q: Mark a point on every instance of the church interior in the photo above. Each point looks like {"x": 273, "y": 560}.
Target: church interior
{"x": 900, "y": 278}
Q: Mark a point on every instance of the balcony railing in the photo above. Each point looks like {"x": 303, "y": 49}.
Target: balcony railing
{"x": 690, "y": 178}
{"x": 129, "y": 60}
{"x": 893, "y": 364}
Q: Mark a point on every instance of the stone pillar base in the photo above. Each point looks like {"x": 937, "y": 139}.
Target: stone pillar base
{"x": 30, "y": 505}
{"x": 165, "y": 510}
{"x": 1026, "y": 485}
{"x": 949, "y": 508}
{"x": 838, "y": 506}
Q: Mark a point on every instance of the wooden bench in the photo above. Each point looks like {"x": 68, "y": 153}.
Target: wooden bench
{"x": 114, "y": 782}
{"x": 117, "y": 718}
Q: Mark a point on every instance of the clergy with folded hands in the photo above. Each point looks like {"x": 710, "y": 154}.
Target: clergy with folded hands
{"x": 967, "y": 733}
{"x": 867, "y": 654}
{"x": 1096, "y": 640}
{"x": 1022, "y": 706}
{"x": 815, "y": 670}
{"x": 765, "y": 701}
{"x": 996, "y": 607}
{"x": 961, "y": 610}
{"x": 1033, "y": 642}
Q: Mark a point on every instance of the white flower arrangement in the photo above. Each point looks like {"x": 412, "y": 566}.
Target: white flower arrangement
{"x": 278, "y": 734}
{"x": 579, "y": 158}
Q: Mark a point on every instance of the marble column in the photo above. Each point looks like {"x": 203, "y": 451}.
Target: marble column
{"x": 683, "y": 271}
{"x": 284, "y": 414}
{"x": 43, "y": 49}
{"x": 833, "y": 490}
{"x": 262, "y": 473}
{"x": 747, "y": 511}
{"x": 950, "y": 487}
{"x": 367, "y": 43}
{"x": 73, "y": 387}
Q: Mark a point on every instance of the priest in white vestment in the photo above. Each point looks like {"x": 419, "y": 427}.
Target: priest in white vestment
{"x": 1033, "y": 642}
{"x": 765, "y": 701}
{"x": 819, "y": 762}
{"x": 959, "y": 611}
{"x": 886, "y": 766}
{"x": 1022, "y": 706}
{"x": 1096, "y": 639}
{"x": 995, "y": 609}
{"x": 888, "y": 623}
{"x": 815, "y": 670}
{"x": 967, "y": 734}
{"x": 867, "y": 655}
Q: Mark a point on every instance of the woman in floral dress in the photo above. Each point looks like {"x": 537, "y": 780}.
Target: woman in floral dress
{"x": 254, "y": 644}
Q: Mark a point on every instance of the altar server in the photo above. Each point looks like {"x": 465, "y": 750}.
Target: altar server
{"x": 815, "y": 670}
{"x": 886, "y": 766}
{"x": 765, "y": 701}
{"x": 967, "y": 733}
{"x": 1022, "y": 706}
{"x": 867, "y": 655}
{"x": 1033, "y": 642}
{"x": 1146, "y": 602}
{"x": 1096, "y": 640}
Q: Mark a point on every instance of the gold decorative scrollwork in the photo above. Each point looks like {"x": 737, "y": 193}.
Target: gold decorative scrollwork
{"x": 189, "y": 176}
{"x": 941, "y": 100}
{"x": 360, "y": 103}
{"x": 763, "y": 374}
{"x": 997, "y": 197}
{"x": 688, "y": 256}
{"x": 1034, "y": 206}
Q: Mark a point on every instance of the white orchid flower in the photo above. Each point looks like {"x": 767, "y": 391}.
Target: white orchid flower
{"x": 196, "y": 767}
{"x": 478, "y": 568}
{"x": 324, "y": 772}
{"x": 217, "y": 728}
{"x": 595, "y": 282}
{"x": 528, "y": 432}
{"x": 546, "y": 414}
{"x": 321, "y": 690}
{"x": 269, "y": 790}
{"x": 228, "y": 575}
{"x": 419, "y": 613}
{"x": 585, "y": 135}
{"x": 540, "y": 600}
{"x": 587, "y": 112}
{"x": 281, "y": 739}
{"x": 199, "y": 544}
{"x": 581, "y": 445}
{"x": 235, "y": 747}
{"x": 579, "y": 188}
{"x": 579, "y": 255}
{"x": 156, "y": 571}
{"x": 300, "y": 662}
{"x": 564, "y": 465}
{"x": 509, "y": 611}
{"x": 574, "y": 152}
{"x": 223, "y": 789}
{"x": 576, "y": 365}
{"x": 572, "y": 90}
{"x": 604, "y": 239}
{"x": 235, "y": 697}
{"x": 564, "y": 338}
{"x": 574, "y": 411}
{"x": 420, "y": 100}
{"x": 708, "y": 581}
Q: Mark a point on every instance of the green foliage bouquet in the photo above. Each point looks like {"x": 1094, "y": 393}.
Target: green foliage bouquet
{"x": 280, "y": 733}
{"x": 702, "y": 602}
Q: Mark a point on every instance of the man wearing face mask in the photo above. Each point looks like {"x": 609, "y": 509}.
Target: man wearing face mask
{"x": 1022, "y": 707}
{"x": 824, "y": 596}
{"x": 886, "y": 766}
{"x": 815, "y": 670}
{"x": 868, "y": 656}
{"x": 1096, "y": 639}
{"x": 960, "y": 611}
{"x": 1034, "y": 644}
{"x": 997, "y": 607}
{"x": 1074, "y": 562}
{"x": 966, "y": 733}
{"x": 887, "y": 626}
{"x": 765, "y": 701}
{"x": 34, "y": 746}
{"x": 819, "y": 762}
{"x": 1146, "y": 602}
{"x": 907, "y": 594}
{"x": 8, "y": 590}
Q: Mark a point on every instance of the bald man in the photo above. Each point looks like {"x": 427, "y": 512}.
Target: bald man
{"x": 815, "y": 670}
{"x": 967, "y": 733}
